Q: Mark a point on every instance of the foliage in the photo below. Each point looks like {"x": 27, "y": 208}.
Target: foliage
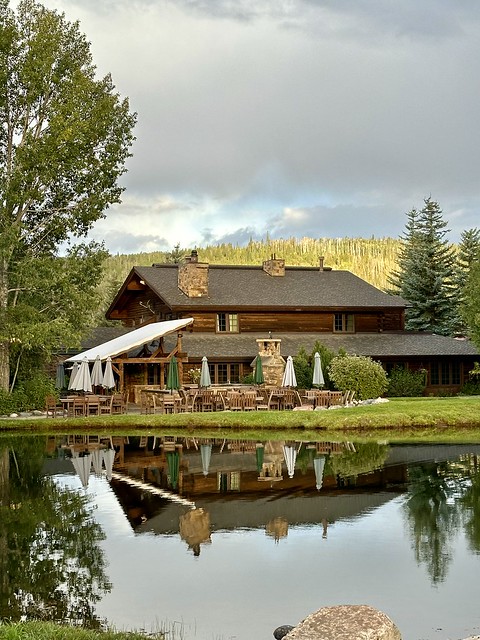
{"x": 471, "y": 303}
{"x": 360, "y": 374}
{"x": 425, "y": 276}
{"x": 403, "y": 382}
{"x": 194, "y": 375}
{"x": 52, "y": 565}
{"x": 64, "y": 139}
{"x": 303, "y": 371}
{"x": 366, "y": 458}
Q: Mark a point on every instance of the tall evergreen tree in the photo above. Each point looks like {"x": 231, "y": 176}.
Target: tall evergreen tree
{"x": 468, "y": 257}
{"x": 426, "y": 274}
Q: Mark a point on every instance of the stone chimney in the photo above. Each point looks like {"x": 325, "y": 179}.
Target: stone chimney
{"x": 274, "y": 267}
{"x": 193, "y": 276}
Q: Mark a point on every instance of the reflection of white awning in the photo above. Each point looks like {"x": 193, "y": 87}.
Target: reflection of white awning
{"x": 135, "y": 338}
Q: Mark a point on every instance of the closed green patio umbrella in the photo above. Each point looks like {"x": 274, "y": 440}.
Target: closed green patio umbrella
{"x": 173, "y": 467}
{"x": 173, "y": 381}
{"x": 258, "y": 373}
{"x": 60, "y": 382}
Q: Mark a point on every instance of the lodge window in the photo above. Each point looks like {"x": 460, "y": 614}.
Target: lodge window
{"x": 227, "y": 322}
{"x": 444, "y": 373}
{"x": 343, "y": 322}
{"x": 224, "y": 373}
{"x": 228, "y": 481}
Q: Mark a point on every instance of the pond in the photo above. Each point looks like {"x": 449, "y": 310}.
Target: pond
{"x": 228, "y": 539}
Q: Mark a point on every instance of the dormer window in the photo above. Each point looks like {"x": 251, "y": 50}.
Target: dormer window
{"x": 227, "y": 323}
{"x": 343, "y": 323}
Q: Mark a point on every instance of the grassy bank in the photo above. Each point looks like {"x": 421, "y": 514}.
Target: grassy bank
{"x": 440, "y": 417}
{"x": 50, "y": 631}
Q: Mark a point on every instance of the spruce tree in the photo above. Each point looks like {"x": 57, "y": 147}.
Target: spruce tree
{"x": 426, "y": 273}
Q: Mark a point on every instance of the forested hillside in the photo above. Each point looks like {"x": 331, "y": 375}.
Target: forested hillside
{"x": 370, "y": 259}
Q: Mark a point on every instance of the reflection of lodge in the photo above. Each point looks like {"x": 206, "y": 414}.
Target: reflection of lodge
{"x": 194, "y": 487}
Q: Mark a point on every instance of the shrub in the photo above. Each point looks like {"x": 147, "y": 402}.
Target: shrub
{"x": 303, "y": 373}
{"x": 360, "y": 374}
{"x": 405, "y": 383}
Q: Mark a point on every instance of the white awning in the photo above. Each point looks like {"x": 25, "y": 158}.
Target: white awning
{"x": 135, "y": 338}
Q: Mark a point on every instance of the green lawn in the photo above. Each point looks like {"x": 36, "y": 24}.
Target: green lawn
{"x": 50, "y": 631}
{"x": 439, "y": 418}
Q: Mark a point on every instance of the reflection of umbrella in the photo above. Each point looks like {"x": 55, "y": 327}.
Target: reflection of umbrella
{"x": 290, "y": 454}
{"x": 97, "y": 373}
{"x": 205, "y": 380}
{"x": 60, "y": 379}
{"x": 318, "y": 465}
{"x": 108, "y": 459}
{"x": 73, "y": 374}
{"x": 195, "y": 528}
{"x": 82, "y": 465}
{"x": 259, "y": 455}
{"x": 289, "y": 379}
{"x": 97, "y": 461}
{"x": 108, "y": 379}
{"x": 206, "y": 454}
{"x": 258, "y": 373}
{"x": 173, "y": 465}
{"x": 318, "y": 380}
{"x": 82, "y": 380}
{"x": 173, "y": 381}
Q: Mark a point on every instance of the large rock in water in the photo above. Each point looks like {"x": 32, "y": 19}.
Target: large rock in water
{"x": 346, "y": 622}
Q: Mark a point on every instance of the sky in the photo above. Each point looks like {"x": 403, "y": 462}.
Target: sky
{"x": 289, "y": 118}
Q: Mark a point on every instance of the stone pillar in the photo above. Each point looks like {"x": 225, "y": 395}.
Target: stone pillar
{"x": 272, "y": 362}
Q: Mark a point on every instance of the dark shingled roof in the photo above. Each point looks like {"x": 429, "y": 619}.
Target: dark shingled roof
{"x": 249, "y": 286}
{"x": 377, "y": 345}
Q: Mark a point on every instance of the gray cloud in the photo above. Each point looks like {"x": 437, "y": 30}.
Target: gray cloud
{"x": 296, "y": 117}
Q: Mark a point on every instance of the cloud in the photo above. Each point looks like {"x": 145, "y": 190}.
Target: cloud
{"x": 292, "y": 117}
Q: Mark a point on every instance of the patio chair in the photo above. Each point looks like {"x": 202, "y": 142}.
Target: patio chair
{"x": 53, "y": 407}
{"x": 92, "y": 406}
{"x": 249, "y": 400}
{"x": 118, "y": 403}
{"x": 147, "y": 404}
{"x": 207, "y": 400}
{"x": 105, "y": 405}
{"x": 235, "y": 401}
{"x": 79, "y": 407}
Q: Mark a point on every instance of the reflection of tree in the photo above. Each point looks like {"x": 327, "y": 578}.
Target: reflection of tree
{"x": 471, "y": 504}
{"x": 433, "y": 515}
{"x": 51, "y": 565}
{"x": 366, "y": 458}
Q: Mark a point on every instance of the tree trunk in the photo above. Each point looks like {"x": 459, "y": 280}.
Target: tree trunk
{"x": 4, "y": 345}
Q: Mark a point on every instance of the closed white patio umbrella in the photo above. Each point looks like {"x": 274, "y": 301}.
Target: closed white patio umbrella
{"x": 108, "y": 460}
{"x": 290, "y": 455}
{"x": 82, "y": 381}
{"x": 206, "y": 454}
{"x": 318, "y": 379}
{"x": 289, "y": 378}
{"x": 73, "y": 374}
{"x": 97, "y": 373}
{"x": 319, "y": 465}
{"x": 108, "y": 377}
{"x": 205, "y": 380}
{"x": 82, "y": 465}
